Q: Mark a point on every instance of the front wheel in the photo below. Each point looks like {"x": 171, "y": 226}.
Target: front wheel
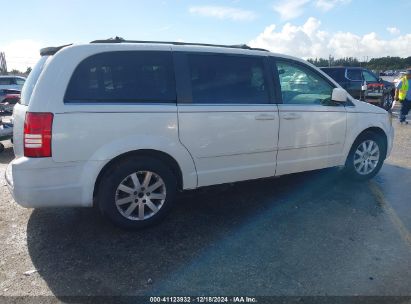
{"x": 136, "y": 193}
{"x": 388, "y": 101}
{"x": 366, "y": 156}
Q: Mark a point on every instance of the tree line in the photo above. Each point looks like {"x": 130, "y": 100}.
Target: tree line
{"x": 377, "y": 64}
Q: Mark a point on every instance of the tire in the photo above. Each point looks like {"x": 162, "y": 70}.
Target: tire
{"x": 125, "y": 193}
{"x": 362, "y": 162}
{"x": 387, "y": 101}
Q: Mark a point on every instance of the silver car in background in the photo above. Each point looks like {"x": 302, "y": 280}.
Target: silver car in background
{"x": 12, "y": 82}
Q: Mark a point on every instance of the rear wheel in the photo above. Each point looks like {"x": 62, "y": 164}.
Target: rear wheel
{"x": 136, "y": 193}
{"x": 366, "y": 156}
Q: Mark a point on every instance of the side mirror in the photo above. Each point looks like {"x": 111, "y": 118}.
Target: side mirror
{"x": 339, "y": 95}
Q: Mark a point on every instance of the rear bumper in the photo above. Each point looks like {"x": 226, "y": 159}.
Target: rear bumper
{"x": 36, "y": 183}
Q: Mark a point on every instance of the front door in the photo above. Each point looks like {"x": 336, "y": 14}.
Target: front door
{"x": 312, "y": 127}
{"x": 228, "y": 122}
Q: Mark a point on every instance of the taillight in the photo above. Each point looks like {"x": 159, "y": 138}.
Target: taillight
{"x": 37, "y": 134}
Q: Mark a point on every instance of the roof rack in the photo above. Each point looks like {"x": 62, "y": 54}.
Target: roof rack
{"x": 121, "y": 40}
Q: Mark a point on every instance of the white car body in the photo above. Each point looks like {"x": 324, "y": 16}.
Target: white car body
{"x": 212, "y": 144}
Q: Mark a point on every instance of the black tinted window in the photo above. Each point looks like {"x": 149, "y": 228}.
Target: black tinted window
{"x": 137, "y": 76}
{"x": 354, "y": 74}
{"x": 336, "y": 74}
{"x": 227, "y": 79}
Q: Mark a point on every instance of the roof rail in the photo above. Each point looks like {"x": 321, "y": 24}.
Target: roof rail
{"x": 121, "y": 40}
{"x": 52, "y": 50}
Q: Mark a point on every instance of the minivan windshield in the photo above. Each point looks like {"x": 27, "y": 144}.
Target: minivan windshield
{"x": 32, "y": 80}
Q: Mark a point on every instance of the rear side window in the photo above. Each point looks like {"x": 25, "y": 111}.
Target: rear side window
{"x": 6, "y": 81}
{"x": 227, "y": 79}
{"x": 336, "y": 74}
{"x": 127, "y": 76}
{"x": 354, "y": 74}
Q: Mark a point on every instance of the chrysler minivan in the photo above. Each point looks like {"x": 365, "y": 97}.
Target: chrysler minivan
{"x": 124, "y": 125}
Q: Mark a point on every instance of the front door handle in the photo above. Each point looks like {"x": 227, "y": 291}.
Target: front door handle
{"x": 265, "y": 117}
{"x": 290, "y": 116}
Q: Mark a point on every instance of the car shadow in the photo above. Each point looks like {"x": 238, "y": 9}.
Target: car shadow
{"x": 80, "y": 254}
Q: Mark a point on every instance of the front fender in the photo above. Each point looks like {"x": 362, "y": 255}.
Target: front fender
{"x": 359, "y": 122}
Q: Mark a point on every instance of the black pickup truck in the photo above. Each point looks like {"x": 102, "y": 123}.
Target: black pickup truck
{"x": 378, "y": 92}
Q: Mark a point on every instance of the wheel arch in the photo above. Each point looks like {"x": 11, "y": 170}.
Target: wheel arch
{"x": 156, "y": 154}
{"x": 376, "y": 130}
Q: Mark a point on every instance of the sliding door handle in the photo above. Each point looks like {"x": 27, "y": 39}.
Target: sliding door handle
{"x": 265, "y": 117}
{"x": 290, "y": 116}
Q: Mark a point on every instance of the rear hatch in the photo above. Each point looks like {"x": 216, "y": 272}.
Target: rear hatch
{"x": 20, "y": 109}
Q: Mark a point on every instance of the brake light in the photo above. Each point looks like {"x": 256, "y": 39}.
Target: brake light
{"x": 37, "y": 134}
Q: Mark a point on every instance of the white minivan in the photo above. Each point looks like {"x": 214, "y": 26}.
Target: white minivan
{"x": 124, "y": 125}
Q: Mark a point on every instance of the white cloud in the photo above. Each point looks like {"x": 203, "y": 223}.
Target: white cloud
{"x": 327, "y": 5}
{"x": 309, "y": 41}
{"x": 21, "y": 54}
{"x": 393, "y": 30}
{"x": 223, "y": 12}
{"x": 290, "y": 9}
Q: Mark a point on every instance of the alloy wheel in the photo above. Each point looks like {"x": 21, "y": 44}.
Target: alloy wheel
{"x": 366, "y": 157}
{"x": 140, "y": 195}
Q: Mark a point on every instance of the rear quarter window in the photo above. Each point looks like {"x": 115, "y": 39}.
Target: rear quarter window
{"x": 125, "y": 76}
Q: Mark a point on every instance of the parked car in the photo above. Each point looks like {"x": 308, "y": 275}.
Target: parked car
{"x": 4, "y": 92}
{"x": 379, "y": 92}
{"x": 124, "y": 125}
{"x": 6, "y": 132}
{"x": 8, "y": 102}
{"x": 12, "y": 82}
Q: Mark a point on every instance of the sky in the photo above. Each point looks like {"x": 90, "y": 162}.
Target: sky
{"x": 303, "y": 28}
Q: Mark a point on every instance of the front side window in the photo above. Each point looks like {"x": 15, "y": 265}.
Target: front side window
{"x": 20, "y": 81}
{"x": 227, "y": 79}
{"x": 128, "y": 76}
{"x": 369, "y": 77}
{"x": 301, "y": 85}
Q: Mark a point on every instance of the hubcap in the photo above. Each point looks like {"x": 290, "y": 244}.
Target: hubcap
{"x": 366, "y": 157}
{"x": 140, "y": 195}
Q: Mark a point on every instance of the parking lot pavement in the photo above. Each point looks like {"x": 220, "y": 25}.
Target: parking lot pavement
{"x": 306, "y": 234}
